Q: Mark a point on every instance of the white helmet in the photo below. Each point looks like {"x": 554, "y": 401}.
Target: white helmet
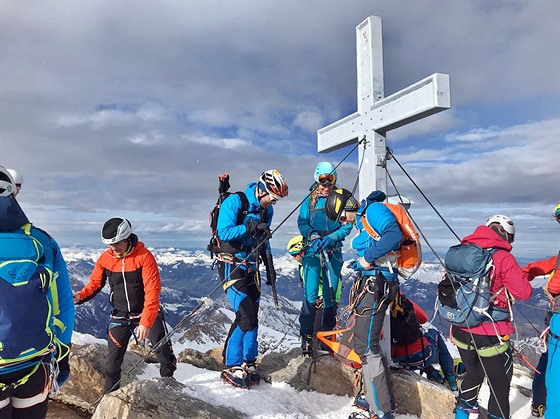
{"x": 116, "y": 230}
{"x": 18, "y": 179}
{"x": 505, "y": 223}
{"x": 7, "y": 184}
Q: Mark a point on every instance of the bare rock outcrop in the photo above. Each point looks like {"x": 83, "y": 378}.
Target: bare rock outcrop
{"x": 158, "y": 398}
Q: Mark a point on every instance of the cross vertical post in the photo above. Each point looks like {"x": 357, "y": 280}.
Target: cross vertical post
{"x": 377, "y": 114}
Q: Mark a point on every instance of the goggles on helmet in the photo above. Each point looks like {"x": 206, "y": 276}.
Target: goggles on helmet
{"x": 327, "y": 179}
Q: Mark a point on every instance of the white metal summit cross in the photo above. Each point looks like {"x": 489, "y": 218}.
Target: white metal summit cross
{"x": 378, "y": 114}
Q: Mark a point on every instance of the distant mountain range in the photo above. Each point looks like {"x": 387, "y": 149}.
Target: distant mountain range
{"x": 187, "y": 278}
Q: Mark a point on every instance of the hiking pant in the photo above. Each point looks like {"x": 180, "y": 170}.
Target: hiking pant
{"x": 538, "y": 385}
{"x": 316, "y": 271}
{"x": 441, "y": 354}
{"x": 370, "y": 312}
{"x": 120, "y": 330}
{"x": 244, "y": 296}
{"x": 498, "y": 368}
{"x": 30, "y": 399}
{"x": 553, "y": 370}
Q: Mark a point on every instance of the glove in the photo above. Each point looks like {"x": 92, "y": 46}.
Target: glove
{"x": 326, "y": 242}
{"x": 255, "y": 228}
{"x": 313, "y": 246}
{"x": 63, "y": 370}
{"x": 354, "y": 264}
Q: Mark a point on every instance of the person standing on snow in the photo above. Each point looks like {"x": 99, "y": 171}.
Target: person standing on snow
{"x": 26, "y": 373}
{"x": 243, "y": 238}
{"x": 322, "y": 259}
{"x": 552, "y": 288}
{"x": 486, "y": 350}
{"x": 133, "y": 276}
{"x": 378, "y": 279}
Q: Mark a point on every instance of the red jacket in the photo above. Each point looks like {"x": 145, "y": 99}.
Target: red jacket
{"x": 507, "y": 273}
{"x": 134, "y": 280}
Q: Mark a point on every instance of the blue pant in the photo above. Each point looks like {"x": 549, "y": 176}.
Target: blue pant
{"x": 244, "y": 296}
{"x": 553, "y": 370}
{"x": 313, "y": 272}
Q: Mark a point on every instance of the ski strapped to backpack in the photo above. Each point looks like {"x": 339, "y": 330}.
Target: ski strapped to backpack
{"x": 28, "y": 300}
{"x": 464, "y": 298}
{"x": 409, "y": 255}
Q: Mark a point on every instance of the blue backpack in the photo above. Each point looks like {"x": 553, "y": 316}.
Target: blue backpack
{"x": 464, "y": 297}
{"x": 28, "y": 297}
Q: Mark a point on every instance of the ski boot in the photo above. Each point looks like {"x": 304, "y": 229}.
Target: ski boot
{"x": 251, "y": 372}
{"x": 307, "y": 345}
{"x": 434, "y": 375}
{"x": 237, "y": 377}
{"x": 452, "y": 382}
{"x": 538, "y": 411}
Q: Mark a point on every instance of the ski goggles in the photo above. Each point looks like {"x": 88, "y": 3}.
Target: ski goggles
{"x": 327, "y": 179}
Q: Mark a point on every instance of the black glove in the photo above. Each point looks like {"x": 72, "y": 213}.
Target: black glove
{"x": 63, "y": 370}
{"x": 255, "y": 228}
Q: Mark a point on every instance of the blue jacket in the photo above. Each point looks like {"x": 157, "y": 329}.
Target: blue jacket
{"x": 382, "y": 220}
{"x": 315, "y": 221}
{"x": 229, "y": 230}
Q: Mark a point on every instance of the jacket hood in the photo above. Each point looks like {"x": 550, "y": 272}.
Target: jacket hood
{"x": 487, "y": 238}
{"x": 12, "y": 216}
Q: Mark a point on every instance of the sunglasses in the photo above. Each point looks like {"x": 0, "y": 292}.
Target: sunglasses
{"x": 327, "y": 180}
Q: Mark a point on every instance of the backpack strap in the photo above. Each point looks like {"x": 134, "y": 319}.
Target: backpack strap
{"x": 367, "y": 227}
{"x": 244, "y": 207}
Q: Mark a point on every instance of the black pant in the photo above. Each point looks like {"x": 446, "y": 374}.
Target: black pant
{"x": 120, "y": 331}
{"x": 498, "y": 369}
{"x": 37, "y": 384}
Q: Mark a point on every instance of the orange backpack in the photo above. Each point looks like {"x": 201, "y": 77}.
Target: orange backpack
{"x": 409, "y": 256}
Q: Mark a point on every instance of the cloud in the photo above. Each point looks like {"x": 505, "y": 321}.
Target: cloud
{"x": 109, "y": 108}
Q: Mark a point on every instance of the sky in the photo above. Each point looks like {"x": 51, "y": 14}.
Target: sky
{"x": 114, "y": 108}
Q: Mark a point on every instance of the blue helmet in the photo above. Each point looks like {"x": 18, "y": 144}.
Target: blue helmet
{"x": 324, "y": 168}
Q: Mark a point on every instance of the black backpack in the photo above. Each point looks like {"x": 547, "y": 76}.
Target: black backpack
{"x": 405, "y": 328}
{"x": 216, "y": 246}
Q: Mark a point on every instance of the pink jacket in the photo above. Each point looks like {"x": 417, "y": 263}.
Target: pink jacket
{"x": 507, "y": 273}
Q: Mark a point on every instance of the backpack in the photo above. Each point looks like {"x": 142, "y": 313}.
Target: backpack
{"x": 28, "y": 297}
{"x": 464, "y": 297}
{"x": 409, "y": 255}
{"x": 216, "y": 246}
{"x": 405, "y": 328}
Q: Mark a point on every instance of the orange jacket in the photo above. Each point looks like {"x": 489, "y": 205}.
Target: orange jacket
{"x": 544, "y": 267}
{"x": 134, "y": 281}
